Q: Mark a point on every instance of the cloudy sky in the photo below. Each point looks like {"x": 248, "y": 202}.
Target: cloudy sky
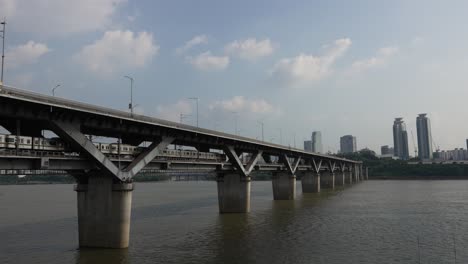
{"x": 340, "y": 67}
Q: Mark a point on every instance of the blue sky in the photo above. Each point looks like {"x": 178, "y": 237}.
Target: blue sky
{"x": 341, "y": 67}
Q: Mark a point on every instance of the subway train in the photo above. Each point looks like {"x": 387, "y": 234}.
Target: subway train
{"x": 111, "y": 149}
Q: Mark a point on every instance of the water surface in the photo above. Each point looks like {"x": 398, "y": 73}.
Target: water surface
{"x": 178, "y": 222}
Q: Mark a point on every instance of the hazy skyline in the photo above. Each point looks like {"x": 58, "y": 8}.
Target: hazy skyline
{"x": 339, "y": 67}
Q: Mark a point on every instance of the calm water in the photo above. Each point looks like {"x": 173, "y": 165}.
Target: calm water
{"x": 178, "y": 222}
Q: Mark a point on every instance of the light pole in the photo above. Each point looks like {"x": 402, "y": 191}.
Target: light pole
{"x": 130, "y": 106}
{"x": 3, "y": 47}
{"x": 262, "y": 124}
{"x": 196, "y": 100}
{"x": 53, "y": 90}
{"x": 281, "y": 135}
{"x": 235, "y": 122}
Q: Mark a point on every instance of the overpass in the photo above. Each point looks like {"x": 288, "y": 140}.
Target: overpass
{"x": 104, "y": 183}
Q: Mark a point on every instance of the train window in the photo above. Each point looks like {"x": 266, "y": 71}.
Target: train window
{"x": 21, "y": 140}
{"x": 28, "y": 141}
{"x": 10, "y": 140}
{"x": 36, "y": 141}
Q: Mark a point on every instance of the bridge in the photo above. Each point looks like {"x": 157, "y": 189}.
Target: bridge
{"x": 104, "y": 182}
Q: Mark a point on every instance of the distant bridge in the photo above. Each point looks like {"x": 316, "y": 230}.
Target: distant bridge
{"x": 104, "y": 184}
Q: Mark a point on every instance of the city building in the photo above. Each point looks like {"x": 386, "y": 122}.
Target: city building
{"x": 317, "y": 142}
{"x": 423, "y": 126}
{"x": 400, "y": 139}
{"x": 456, "y": 154}
{"x": 308, "y": 145}
{"x": 348, "y": 144}
{"x": 386, "y": 150}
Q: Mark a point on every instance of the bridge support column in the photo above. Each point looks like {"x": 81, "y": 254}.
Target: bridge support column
{"x": 367, "y": 173}
{"x": 104, "y": 210}
{"x": 356, "y": 173}
{"x": 327, "y": 180}
{"x": 310, "y": 182}
{"x": 350, "y": 176}
{"x": 340, "y": 178}
{"x": 233, "y": 193}
{"x": 284, "y": 186}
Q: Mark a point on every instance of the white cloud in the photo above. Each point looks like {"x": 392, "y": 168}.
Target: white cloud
{"x": 118, "y": 50}
{"x": 172, "y": 112}
{"x": 250, "y": 49}
{"x": 381, "y": 58}
{"x": 307, "y": 68}
{"x": 59, "y": 16}
{"x": 242, "y": 104}
{"x": 25, "y": 54}
{"x": 197, "y": 40}
{"x": 207, "y": 62}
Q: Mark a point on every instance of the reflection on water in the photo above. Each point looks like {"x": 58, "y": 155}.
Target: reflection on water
{"x": 93, "y": 256}
{"x": 371, "y": 222}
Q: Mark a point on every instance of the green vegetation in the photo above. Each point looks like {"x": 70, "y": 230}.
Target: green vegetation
{"x": 388, "y": 168}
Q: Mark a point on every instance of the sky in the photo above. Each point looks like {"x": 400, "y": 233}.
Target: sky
{"x": 339, "y": 67}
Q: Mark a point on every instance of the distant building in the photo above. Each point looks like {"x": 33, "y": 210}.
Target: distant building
{"x": 386, "y": 150}
{"x": 423, "y": 126}
{"x": 308, "y": 145}
{"x": 317, "y": 142}
{"x": 400, "y": 139}
{"x": 348, "y": 144}
{"x": 456, "y": 154}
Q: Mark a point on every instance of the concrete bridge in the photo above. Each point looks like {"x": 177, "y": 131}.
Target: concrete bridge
{"x": 104, "y": 183}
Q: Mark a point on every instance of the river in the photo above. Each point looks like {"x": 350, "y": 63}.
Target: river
{"x": 178, "y": 222}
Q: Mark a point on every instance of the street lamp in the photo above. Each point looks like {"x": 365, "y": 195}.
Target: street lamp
{"x": 262, "y": 124}
{"x": 281, "y": 135}
{"x": 3, "y": 47}
{"x": 196, "y": 100}
{"x": 235, "y": 122}
{"x": 130, "y": 106}
{"x": 53, "y": 90}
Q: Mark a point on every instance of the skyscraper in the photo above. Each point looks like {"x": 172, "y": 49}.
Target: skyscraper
{"x": 317, "y": 142}
{"x": 423, "y": 126}
{"x": 348, "y": 144}
{"x": 308, "y": 145}
{"x": 400, "y": 139}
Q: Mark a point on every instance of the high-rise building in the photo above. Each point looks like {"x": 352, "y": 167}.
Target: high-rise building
{"x": 317, "y": 142}
{"x": 423, "y": 126}
{"x": 400, "y": 139}
{"x": 386, "y": 150}
{"x": 308, "y": 145}
{"x": 348, "y": 144}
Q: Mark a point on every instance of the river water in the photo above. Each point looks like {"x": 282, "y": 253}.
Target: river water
{"x": 178, "y": 222}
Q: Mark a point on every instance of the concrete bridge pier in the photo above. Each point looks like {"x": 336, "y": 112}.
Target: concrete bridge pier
{"x": 104, "y": 209}
{"x": 340, "y": 178}
{"x": 356, "y": 173}
{"x": 367, "y": 173}
{"x": 327, "y": 180}
{"x": 233, "y": 192}
{"x": 284, "y": 186}
{"x": 310, "y": 182}
{"x": 349, "y": 176}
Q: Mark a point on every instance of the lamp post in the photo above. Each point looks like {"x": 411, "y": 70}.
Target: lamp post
{"x": 196, "y": 100}
{"x": 281, "y": 135}
{"x": 130, "y": 106}
{"x": 3, "y": 47}
{"x": 262, "y": 124}
{"x": 235, "y": 122}
{"x": 53, "y": 90}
